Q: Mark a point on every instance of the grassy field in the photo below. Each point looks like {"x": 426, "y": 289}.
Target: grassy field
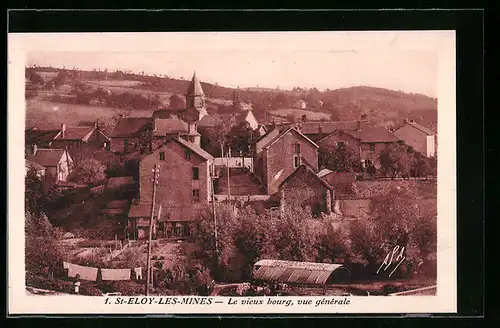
{"x": 297, "y": 113}
{"x": 46, "y": 114}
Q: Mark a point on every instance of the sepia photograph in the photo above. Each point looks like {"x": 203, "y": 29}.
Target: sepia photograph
{"x": 257, "y": 168}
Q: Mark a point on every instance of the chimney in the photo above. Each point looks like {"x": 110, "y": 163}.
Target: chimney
{"x": 35, "y": 149}
{"x": 63, "y": 130}
{"x": 358, "y": 125}
{"x": 320, "y": 130}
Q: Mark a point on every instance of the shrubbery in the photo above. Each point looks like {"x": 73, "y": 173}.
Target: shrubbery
{"x": 49, "y": 284}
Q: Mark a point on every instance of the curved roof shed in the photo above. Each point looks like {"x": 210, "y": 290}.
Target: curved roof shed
{"x": 309, "y": 273}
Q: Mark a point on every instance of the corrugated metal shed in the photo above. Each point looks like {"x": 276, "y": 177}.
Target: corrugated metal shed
{"x": 294, "y": 272}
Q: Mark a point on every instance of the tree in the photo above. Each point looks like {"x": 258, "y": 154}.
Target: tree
{"x": 34, "y": 77}
{"x": 176, "y": 102}
{"x": 34, "y": 192}
{"x": 219, "y": 132}
{"x": 397, "y": 159}
{"x": 226, "y": 223}
{"x": 90, "y": 171}
{"x": 422, "y": 167}
{"x": 331, "y": 242}
{"x": 240, "y": 137}
{"x": 41, "y": 250}
{"x": 252, "y": 237}
{"x": 294, "y": 237}
{"x": 339, "y": 158}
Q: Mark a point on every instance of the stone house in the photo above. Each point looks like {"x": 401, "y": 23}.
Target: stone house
{"x": 367, "y": 142}
{"x": 128, "y": 134}
{"x": 279, "y": 153}
{"x": 305, "y": 188}
{"x": 420, "y": 138}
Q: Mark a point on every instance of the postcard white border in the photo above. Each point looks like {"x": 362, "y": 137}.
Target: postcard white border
{"x": 443, "y": 42}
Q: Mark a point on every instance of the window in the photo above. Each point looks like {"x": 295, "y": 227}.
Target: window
{"x": 179, "y": 230}
{"x": 187, "y": 154}
{"x": 196, "y": 173}
{"x": 372, "y": 146}
{"x": 196, "y": 195}
{"x": 297, "y": 148}
{"x": 162, "y": 156}
{"x": 296, "y": 161}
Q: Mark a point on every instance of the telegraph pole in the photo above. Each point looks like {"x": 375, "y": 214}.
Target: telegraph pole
{"x": 215, "y": 216}
{"x": 156, "y": 174}
{"x": 228, "y": 182}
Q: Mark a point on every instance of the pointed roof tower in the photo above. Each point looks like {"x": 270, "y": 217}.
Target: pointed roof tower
{"x": 194, "y": 88}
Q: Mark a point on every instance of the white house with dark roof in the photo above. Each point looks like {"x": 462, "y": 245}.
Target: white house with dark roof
{"x": 420, "y": 138}
{"x": 58, "y": 163}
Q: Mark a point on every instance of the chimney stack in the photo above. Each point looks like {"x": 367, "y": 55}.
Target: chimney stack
{"x": 63, "y": 130}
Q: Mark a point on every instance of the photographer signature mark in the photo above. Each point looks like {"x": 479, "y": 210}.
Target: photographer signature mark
{"x": 400, "y": 257}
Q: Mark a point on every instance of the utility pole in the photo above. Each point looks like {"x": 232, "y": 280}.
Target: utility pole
{"x": 215, "y": 216}
{"x": 156, "y": 174}
{"x": 228, "y": 181}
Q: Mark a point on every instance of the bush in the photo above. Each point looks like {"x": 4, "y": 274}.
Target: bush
{"x": 90, "y": 291}
{"x": 128, "y": 288}
{"x": 49, "y": 284}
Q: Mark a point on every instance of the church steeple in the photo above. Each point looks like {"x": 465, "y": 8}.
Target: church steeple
{"x": 194, "y": 88}
{"x": 195, "y": 97}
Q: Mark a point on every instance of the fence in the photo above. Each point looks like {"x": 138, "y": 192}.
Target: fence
{"x": 235, "y": 162}
{"x": 245, "y": 198}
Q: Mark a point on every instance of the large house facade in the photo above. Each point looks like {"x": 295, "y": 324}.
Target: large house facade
{"x": 278, "y": 154}
{"x": 184, "y": 186}
{"x": 420, "y": 138}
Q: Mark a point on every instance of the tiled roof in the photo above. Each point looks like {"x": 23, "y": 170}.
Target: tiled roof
{"x": 329, "y": 127}
{"x": 421, "y": 128}
{"x": 118, "y": 203}
{"x": 324, "y": 172}
{"x": 284, "y": 132}
{"x": 130, "y": 126}
{"x": 116, "y": 182}
{"x": 373, "y": 134}
{"x": 169, "y": 126}
{"x": 195, "y": 148}
{"x": 306, "y": 169}
{"x": 76, "y": 132}
{"x": 40, "y": 136}
{"x": 33, "y": 165}
{"x": 214, "y": 120}
{"x": 47, "y": 157}
{"x": 140, "y": 210}
{"x": 167, "y": 112}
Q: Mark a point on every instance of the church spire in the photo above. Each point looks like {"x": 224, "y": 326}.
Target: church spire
{"x": 194, "y": 88}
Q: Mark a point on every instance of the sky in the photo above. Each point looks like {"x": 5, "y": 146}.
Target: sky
{"x": 406, "y": 61}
